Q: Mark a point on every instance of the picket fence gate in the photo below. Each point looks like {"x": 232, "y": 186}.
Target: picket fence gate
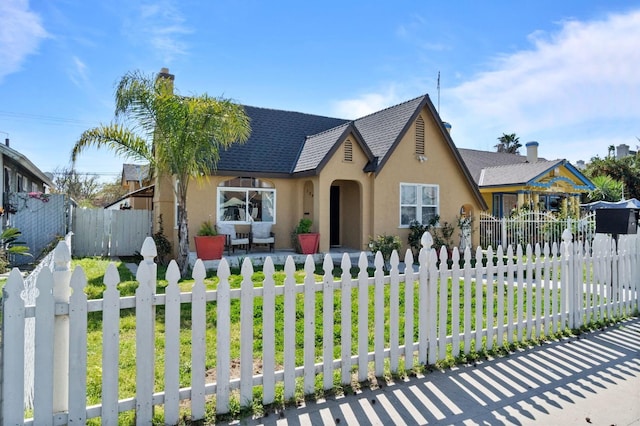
{"x": 101, "y": 232}
{"x": 535, "y": 291}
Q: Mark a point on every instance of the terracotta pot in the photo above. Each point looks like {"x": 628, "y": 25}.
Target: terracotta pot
{"x": 210, "y": 247}
{"x": 309, "y": 242}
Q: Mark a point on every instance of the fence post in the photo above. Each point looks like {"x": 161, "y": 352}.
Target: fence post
{"x": 1, "y": 353}
{"x": 146, "y": 276}
{"x": 503, "y": 233}
{"x": 61, "y": 294}
{"x": 569, "y": 278}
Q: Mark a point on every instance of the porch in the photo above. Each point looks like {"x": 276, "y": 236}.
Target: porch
{"x": 279, "y": 257}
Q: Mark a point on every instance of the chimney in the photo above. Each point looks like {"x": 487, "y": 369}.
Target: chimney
{"x": 622, "y": 151}
{"x": 532, "y": 151}
{"x": 6, "y": 141}
{"x": 165, "y": 76}
{"x": 447, "y": 126}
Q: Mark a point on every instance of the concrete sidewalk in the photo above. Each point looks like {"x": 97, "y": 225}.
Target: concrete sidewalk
{"x": 593, "y": 379}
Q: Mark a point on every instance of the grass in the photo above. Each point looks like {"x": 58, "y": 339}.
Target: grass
{"x": 95, "y": 268}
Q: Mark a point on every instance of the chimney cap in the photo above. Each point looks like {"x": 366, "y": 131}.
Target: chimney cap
{"x": 532, "y": 143}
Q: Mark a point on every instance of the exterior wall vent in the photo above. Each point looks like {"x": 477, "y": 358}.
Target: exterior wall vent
{"x": 348, "y": 151}
{"x": 420, "y": 136}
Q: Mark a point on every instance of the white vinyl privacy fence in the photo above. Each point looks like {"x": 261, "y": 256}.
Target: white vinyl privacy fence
{"x": 100, "y": 232}
{"x": 293, "y": 337}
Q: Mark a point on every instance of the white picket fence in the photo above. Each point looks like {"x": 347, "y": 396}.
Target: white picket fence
{"x": 550, "y": 289}
{"x": 100, "y": 232}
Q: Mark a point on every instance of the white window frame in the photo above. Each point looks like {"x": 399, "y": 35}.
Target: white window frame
{"x": 419, "y": 204}
{"x": 246, "y": 190}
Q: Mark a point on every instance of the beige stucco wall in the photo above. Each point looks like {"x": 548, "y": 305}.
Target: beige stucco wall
{"x": 355, "y": 194}
{"x": 440, "y": 168}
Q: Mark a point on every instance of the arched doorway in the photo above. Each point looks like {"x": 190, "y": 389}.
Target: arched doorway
{"x": 345, "y": 214}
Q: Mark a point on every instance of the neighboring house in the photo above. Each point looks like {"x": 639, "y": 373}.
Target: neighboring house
{"x": 354, "y": 179}
{"x": 512, "y": 181}
{"x": 136, "y": 179}
{"x": 19, "y": 174}
{"x": 28, "y": 205}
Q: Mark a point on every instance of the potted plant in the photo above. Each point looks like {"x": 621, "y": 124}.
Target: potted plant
{"x": 305, "y": 241}
{"x": 209, "y": 245}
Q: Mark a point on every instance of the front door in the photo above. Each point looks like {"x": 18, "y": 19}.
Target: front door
{"x": 334, "y": 216}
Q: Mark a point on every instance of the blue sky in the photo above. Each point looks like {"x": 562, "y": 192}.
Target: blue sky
{"x": 563, "y": 73}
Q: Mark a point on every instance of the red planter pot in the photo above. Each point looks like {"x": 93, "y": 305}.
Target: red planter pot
{"x": 210, "y": 247}
{"x": 309, "y": 243}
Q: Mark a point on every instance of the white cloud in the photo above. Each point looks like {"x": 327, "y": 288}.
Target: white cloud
{"x": 78, "y": 72}
{"x": 20, "y": 34}
{"x": 162, "y": 25}
{"x": 586, "y": 73}
{"x": 366, "y": 104}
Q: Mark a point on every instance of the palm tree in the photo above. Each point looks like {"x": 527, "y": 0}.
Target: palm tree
{"x": 509, "y": 143}
{"x": 180, "y": 137}
{"x": 606, "y": 189}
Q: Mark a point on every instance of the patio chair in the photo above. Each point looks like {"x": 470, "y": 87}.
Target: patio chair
{"x": 261, "y": 234}
{"x": 234, "y": 239}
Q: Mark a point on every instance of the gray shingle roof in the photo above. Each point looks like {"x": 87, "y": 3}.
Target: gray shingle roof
{"x": 518, "y": 174}
{"x": 317, "y": 146}
{"x": 381, "y": 129}
{"x": 478, "y": 160}
{"x": 285, "y": 142}
{"x": 277, "y": 138}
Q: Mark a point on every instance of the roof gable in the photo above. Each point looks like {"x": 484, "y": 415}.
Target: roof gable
{"x": 319, "y": 148}
{"x": 384, "y": 129}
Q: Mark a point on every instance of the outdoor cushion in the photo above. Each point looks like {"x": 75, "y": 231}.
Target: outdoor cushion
{"x": 227, "y": 229}
{"x": 261, "y": 230}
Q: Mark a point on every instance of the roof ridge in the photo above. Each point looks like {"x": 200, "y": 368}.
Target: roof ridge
{"x": 294, "y": 112}
{"x": 346, "y": 123}
{"x": 390, "y": 107}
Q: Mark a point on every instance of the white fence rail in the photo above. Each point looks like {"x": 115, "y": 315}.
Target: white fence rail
{"x": 298, "y": 332}
{"x": 100, "y": 232}
{"x": 530, "y": 227}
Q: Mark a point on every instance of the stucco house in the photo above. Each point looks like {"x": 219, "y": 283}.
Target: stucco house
{"x": 355, "y": 179}
{"x": 511, "y": 181}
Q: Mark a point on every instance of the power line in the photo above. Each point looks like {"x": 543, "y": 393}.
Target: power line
{"x": 46, "y": 118}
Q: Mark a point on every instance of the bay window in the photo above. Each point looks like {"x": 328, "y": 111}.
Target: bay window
{"x": 418, "y": 202}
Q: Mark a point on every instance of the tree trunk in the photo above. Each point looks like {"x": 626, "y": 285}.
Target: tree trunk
{"x": 183, "y": 241}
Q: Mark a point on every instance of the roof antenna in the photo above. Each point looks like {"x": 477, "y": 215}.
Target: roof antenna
{"x": 438, "y": 92}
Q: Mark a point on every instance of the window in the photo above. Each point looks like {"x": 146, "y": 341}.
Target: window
{"x": 7, "y": 180}
{"x": 246, "y": 200}
{"x": 20, "y": 183}
{"x": 348, "y": 151}
{"x": 419, "y": 136}
{"x": 418, "y": 203}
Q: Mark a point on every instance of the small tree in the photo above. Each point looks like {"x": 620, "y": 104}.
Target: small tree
{"x": 9, "y": 245}
{"x": 180, "y": 137}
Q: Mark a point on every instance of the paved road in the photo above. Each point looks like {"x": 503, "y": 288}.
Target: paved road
{"x": 591, "y": 380}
